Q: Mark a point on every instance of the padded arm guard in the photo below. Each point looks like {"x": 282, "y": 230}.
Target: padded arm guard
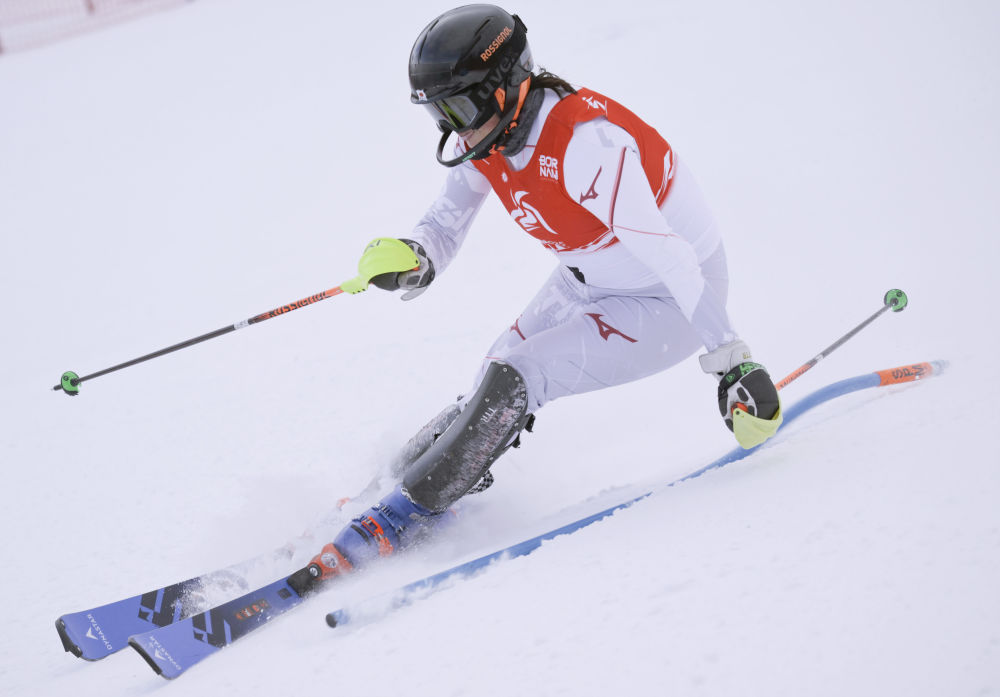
{"x": 414, "y": 281}
{"x": 383, "y": 255}
{"x": 749, "y": 404}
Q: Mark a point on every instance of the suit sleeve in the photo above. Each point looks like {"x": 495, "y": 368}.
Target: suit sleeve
{"x": 444, "y": 225}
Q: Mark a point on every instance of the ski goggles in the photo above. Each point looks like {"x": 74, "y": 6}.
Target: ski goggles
{"x": 458, "y": 112}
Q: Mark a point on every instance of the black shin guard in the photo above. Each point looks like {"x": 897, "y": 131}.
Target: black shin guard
{"x": 422, "y": 440}
{"x": 487, "y": 426}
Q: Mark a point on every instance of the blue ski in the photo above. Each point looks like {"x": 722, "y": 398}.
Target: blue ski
{"x": 172, "y": 649}
{"x": 101, "y": 631}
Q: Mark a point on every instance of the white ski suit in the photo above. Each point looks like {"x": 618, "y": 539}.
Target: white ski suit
{"x": 642, "y": 280}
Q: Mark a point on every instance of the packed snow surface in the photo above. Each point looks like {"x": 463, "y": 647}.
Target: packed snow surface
{"x": 172, "y": 175}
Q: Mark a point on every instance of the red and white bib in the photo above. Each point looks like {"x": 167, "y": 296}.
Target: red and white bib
{"x": 536, "y": 195}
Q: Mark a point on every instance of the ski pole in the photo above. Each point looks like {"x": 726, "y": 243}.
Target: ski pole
{"x": 894, "y": 300}
{"x": 70, "y": 382}
{"x": 395, "y": 256}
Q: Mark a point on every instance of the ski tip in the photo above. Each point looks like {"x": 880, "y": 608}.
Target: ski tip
{"x": 149, "y": 659}
{"x": 68, "y": 644}
{"x": 911, "y": 373}
{"x": 333, "y": 618}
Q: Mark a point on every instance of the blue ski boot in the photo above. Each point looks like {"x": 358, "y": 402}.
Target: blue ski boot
{"x": 388, "y": 526}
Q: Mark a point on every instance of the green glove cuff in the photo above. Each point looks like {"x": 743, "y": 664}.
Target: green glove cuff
{"x": 382, "y": 255}
{"x": 751, "y": 431}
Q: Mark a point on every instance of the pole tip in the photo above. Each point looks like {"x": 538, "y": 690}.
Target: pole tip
{"x": 896, "y": 300}
{"x": 69, "y": 383}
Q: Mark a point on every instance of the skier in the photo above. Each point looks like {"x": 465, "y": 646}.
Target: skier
{"x": 641, "y": 282}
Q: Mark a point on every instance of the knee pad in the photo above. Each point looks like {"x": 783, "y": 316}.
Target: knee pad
{"x": 461, "y": 456}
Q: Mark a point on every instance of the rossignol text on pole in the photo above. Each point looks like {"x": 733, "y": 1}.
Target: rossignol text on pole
{"x": 70, "y": 382}
{"x": 395, "y": 257}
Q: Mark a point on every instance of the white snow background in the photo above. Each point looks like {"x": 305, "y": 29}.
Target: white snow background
{"x": 173, "y": 175}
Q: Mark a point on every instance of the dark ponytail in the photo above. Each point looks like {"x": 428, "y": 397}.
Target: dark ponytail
{"x": 547, "y": 80}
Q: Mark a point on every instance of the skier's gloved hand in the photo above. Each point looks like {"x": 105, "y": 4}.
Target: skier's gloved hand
{"x": 725, "y": 358}
{"x": 748, "y": 400}
{"x": 384, "y": 256}
{"x": 414, "y": 281}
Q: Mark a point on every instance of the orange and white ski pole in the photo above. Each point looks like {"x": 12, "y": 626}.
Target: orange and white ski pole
{"x": 70, "y": 381}
{"x": 394, "y": 256}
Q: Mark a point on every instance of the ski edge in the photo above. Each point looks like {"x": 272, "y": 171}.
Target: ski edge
{"x": 146, "y": 657}
{"x": 68, "y": 644}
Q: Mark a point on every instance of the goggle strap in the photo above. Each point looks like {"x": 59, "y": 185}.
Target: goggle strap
{"x": 521, "y": 96}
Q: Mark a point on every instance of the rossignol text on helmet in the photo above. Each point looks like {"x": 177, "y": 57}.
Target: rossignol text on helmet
{"x": 468, "y": 65}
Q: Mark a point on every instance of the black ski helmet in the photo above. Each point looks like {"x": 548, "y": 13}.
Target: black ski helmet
{"x": 469, "y": 64}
